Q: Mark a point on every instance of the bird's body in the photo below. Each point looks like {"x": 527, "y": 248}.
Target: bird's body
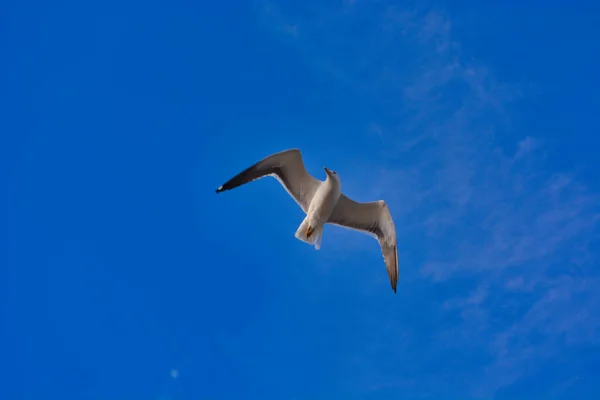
{"x": 321, "y": 207}
{"x": 323, "y": 202}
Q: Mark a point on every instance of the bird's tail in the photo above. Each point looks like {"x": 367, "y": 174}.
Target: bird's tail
{"x": 315, "y": 237}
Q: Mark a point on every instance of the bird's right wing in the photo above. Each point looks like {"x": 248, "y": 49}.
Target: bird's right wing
{"x": 288, "y": 168}
{"x": 373, "y": 218}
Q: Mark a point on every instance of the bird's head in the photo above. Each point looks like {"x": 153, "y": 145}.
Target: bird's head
{"x": 331, "y": 174}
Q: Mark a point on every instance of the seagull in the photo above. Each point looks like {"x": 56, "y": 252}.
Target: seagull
{"x": 324, "y": 203}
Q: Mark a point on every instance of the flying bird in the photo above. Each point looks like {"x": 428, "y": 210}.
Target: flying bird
{"x": 324, "y": 203}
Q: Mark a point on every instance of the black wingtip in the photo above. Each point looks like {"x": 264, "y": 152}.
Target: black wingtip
{"x": 219, "y": 189}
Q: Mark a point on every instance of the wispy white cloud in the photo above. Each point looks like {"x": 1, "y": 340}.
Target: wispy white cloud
{"x": 525, "y": 147}
{"x": 486, "y": 208}
{"x": 271, "y": 15}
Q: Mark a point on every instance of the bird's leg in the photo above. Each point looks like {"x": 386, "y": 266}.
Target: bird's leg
{"x": 309, "y": 231}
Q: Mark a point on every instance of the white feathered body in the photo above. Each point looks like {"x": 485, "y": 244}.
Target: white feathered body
{"x": 324, "y": 202}
{"x": 322, "y": 205}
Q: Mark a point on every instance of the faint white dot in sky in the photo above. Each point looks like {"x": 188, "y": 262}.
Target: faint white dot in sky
{"x": 174, "y": 373}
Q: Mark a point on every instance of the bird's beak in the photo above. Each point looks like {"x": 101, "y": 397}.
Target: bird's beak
{"x": 328, "y": 172}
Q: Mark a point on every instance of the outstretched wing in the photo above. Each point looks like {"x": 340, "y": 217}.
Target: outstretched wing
{"x": 373, "y": 218}
{"x": 287, "y": 166}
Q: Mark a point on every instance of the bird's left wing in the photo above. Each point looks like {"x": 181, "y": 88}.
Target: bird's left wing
{"x": 373, "y": 218}
{"x": 288, "y": 168}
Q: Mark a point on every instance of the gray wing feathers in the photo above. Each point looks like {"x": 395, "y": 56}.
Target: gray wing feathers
{"x": 288, "y": 168}
{"x": 373, "y": 218}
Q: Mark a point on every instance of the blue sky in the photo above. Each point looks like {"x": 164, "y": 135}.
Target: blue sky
{"x": 123, "y": 275}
